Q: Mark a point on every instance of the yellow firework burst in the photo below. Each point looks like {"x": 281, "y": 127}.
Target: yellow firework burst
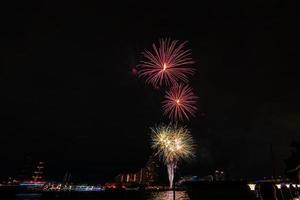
{"x": 172, "y": 143}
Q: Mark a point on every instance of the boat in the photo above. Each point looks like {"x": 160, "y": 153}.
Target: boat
{"x": 31, "y": 186}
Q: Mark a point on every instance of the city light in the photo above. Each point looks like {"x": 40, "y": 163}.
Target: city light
{"x": 252, "y": 187}
{"x": 278, "y": 186}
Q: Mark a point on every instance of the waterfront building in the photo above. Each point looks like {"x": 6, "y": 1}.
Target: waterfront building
{"x": 146, "y": 175}
{"x": 219, "y": 175}
{"x": 38, "y": 173}
{"x": 31, "y": 171}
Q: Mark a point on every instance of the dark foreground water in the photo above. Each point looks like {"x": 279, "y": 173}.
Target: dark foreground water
{"x": 129, "y": 195}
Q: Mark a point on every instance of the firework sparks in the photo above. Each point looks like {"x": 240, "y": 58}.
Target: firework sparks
{"x": 180, "y": 103}
{"x": 168, "y": 64}
{"x": 172, "y": 144}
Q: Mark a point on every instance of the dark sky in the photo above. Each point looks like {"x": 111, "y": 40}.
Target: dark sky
{"x": 68, "y": 96}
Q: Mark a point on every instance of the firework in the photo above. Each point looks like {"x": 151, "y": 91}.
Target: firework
{"x": 172, "y": 144}
{"x": 180, "y": 103}
{"x": 167, "y": 64}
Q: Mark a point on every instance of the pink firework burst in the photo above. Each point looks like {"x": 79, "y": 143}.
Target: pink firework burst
{"x": 180, "y": 103}
{"x": 167, "y": 64}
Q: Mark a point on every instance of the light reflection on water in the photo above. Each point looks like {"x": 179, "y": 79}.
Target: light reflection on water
{"x": 168, "y": 195}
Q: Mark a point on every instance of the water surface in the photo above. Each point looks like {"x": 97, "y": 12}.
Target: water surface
{"x": 165, "y": 195}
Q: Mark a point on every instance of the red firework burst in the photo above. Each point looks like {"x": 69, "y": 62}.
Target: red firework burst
{"x": 180, "y": 103}
{"x": 167, "y": 64}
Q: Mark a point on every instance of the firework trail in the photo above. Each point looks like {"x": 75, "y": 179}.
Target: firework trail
{"x": 171, "y": 172}
{"x": 167, "y": 64}
{"x": 180, "y": 103}
{"x": 172, "y": 144}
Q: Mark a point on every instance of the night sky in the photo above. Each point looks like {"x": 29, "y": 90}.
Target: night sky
{"x": 68, "y": 95}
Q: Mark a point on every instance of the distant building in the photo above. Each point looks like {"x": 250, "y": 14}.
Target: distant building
{"x": 219, "y": 175}
{"x": 25, "y": 172}
{"x": 146, "y": 176}
{"x": 38, "y": 173}
{"x": 31, "y": 171}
